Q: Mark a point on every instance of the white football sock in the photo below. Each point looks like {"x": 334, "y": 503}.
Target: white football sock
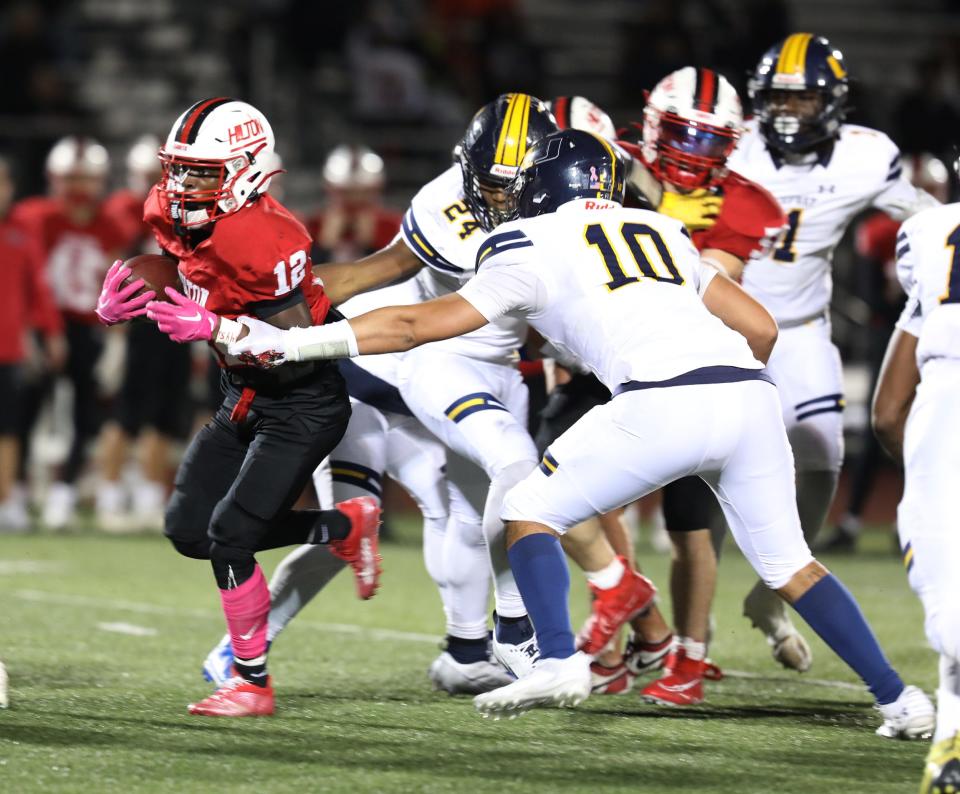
{"x": 609, "y": 576}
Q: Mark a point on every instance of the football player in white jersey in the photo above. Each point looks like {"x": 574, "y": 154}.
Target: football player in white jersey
{"x": 468, "y": 391}
{"x": 823, "y": 172}
{"x": 915, "y": 417}
{"x": 682, "y": 350}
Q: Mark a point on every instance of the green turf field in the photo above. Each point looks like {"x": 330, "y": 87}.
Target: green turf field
{"x": 94, "y": 710}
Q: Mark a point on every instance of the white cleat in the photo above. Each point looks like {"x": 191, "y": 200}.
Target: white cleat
{"x": 553, "y": 682}
{"x": 518, "y": 660}
{"x": 4, "y": 696}
{"x": 910, "y": 716}
{"x": 793, "y": 652}
{"x": 59, "y": 505}
{"x": 768, "y": 613}
{"x": 457, "y": 678}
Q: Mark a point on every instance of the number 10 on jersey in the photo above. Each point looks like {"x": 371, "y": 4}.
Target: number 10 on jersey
{"x": 644, "y": 258}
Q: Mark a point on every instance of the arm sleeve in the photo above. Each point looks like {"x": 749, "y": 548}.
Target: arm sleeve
{"x": 897, "y": 197}
{"x": 911, "y": 318}
{"x": 905, "y": 260}
{"x": 505, "y": 281}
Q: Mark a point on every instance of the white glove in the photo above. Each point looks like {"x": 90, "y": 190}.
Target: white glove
{"x": 266, "y": 346}
{"x": 262, "y": 346}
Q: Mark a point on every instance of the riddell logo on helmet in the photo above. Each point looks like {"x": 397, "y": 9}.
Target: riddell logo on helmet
{"x": 245, "y": 131}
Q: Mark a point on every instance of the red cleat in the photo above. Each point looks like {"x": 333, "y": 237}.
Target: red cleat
{"x": 681, "y": 686}
{"x": 361, "y": 547}
{"x": 605, "y": 680}
{"x": 613, "y": 607}
{"x": 711, "y": 671}
{"x": 236, "y": 698}
{"x": 644, "y": 657}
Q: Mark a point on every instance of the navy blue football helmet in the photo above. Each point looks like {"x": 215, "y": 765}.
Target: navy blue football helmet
{"x": 799, "y": 93}
{"x": 567, "y": 165}
{"x": 493, "y": 147}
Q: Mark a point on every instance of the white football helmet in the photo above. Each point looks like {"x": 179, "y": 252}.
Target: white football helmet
{"x": 76, "y": 156}
{"x": 143, "y": 168}
{"x": 352, "y": 167}
{"x": 691, "y": 124}
{"x": 221, "y": 139}
{"x": 579, "y": 113}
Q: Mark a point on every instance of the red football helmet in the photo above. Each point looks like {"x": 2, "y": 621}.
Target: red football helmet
{"x": 691, "y": 125}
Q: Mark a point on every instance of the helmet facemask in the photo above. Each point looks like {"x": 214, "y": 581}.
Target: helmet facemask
{"x": 798, "y": 120}
{"x": 689, "y": 154}
{"x": 488, "y": 212}
{"x": 196, "y": 207}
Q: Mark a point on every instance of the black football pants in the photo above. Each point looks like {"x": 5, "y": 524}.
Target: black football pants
{"x": 238, "y": 480}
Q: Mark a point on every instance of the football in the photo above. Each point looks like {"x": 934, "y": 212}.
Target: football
{"x": 157, "y": 272}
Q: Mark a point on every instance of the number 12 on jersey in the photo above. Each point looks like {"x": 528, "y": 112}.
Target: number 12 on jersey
{"x": 634, "y": 234}
{"x": 289, "y": 275}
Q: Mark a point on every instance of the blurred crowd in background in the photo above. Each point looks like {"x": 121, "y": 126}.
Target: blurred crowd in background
{"x": 366, "y": 99}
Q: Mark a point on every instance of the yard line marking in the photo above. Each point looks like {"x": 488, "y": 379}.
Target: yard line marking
{"x": 142, "y": 608}
{"x": 10, "y": 567}
{"x": 128, "y": 628}
{"x": 782, "y": 679}
{"x": 347, "y": 628}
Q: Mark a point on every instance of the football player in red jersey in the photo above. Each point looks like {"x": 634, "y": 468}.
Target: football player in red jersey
{"x": 25, "y": 302}
{"x": 353, "y": 223}
{"x": 77, "y": 236}
{"x": 240, "y": 251}
{"x": 152, "y": 401}
{"x": 691, "y": 125}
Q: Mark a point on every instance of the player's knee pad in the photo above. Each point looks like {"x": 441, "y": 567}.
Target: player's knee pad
{"x": 231, "y": 526}
{"x": 185, "y": 530}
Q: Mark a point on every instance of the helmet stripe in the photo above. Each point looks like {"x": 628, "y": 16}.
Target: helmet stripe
{"x": 512, "y": 144}
{"x": 194, "y": 117}
{"x": 706, "y": 91}
{"x": 793, "y": 54}
{"x": 613, "y": 160}
{"x": 522, "y": 138}
{"x": 504, "y": 127}
{"x": 838, "y": 71}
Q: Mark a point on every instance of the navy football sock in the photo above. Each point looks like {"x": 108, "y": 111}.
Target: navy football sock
{"x": 467, "y": 651}
{"x": 834, "y": 614}
{"x": 513, "y": 631}
{"x": 544, "y": 582}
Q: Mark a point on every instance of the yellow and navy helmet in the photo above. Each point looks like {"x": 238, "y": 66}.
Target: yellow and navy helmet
{"x": 803, "y": 62}
{"x": 567, "y": 165}
{"x": 493, "y": 147}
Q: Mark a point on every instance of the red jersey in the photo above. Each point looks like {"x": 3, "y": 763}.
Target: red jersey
{"x": 344, "y": 235}
{"x": 76, "y": 256}
{"x": 25, "y": 298}
{"x": 260, "y": 253}
{"x": 876, "y": 238}
{"x": 749, "y": 221}
{"x": 126, "y": 209}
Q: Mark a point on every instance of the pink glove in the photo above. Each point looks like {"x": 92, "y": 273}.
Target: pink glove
{"x": 116, "y": 305}
{"x": 182, "y": 319}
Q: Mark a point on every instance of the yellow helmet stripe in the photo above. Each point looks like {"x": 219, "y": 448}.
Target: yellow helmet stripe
{"x": 793, "y": 55}
{"x": 504, "y": 127}
{"x": 836, "y": 68}
{"x": 512, "y": 144}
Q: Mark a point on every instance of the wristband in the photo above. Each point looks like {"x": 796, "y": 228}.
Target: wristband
{"x": 228, "y": 331}
{"x": 335, "y": 340}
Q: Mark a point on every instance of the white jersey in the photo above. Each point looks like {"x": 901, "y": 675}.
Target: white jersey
{"x": 928, "y": 250}
{"x": 439, "y": 228}
{"x": 820, "y": 199}
{"x": 384, "y": 365}
{"x": 619, "y": 289}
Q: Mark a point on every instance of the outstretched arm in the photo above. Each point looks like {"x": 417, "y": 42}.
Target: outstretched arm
{"x": 343, "y": 280}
